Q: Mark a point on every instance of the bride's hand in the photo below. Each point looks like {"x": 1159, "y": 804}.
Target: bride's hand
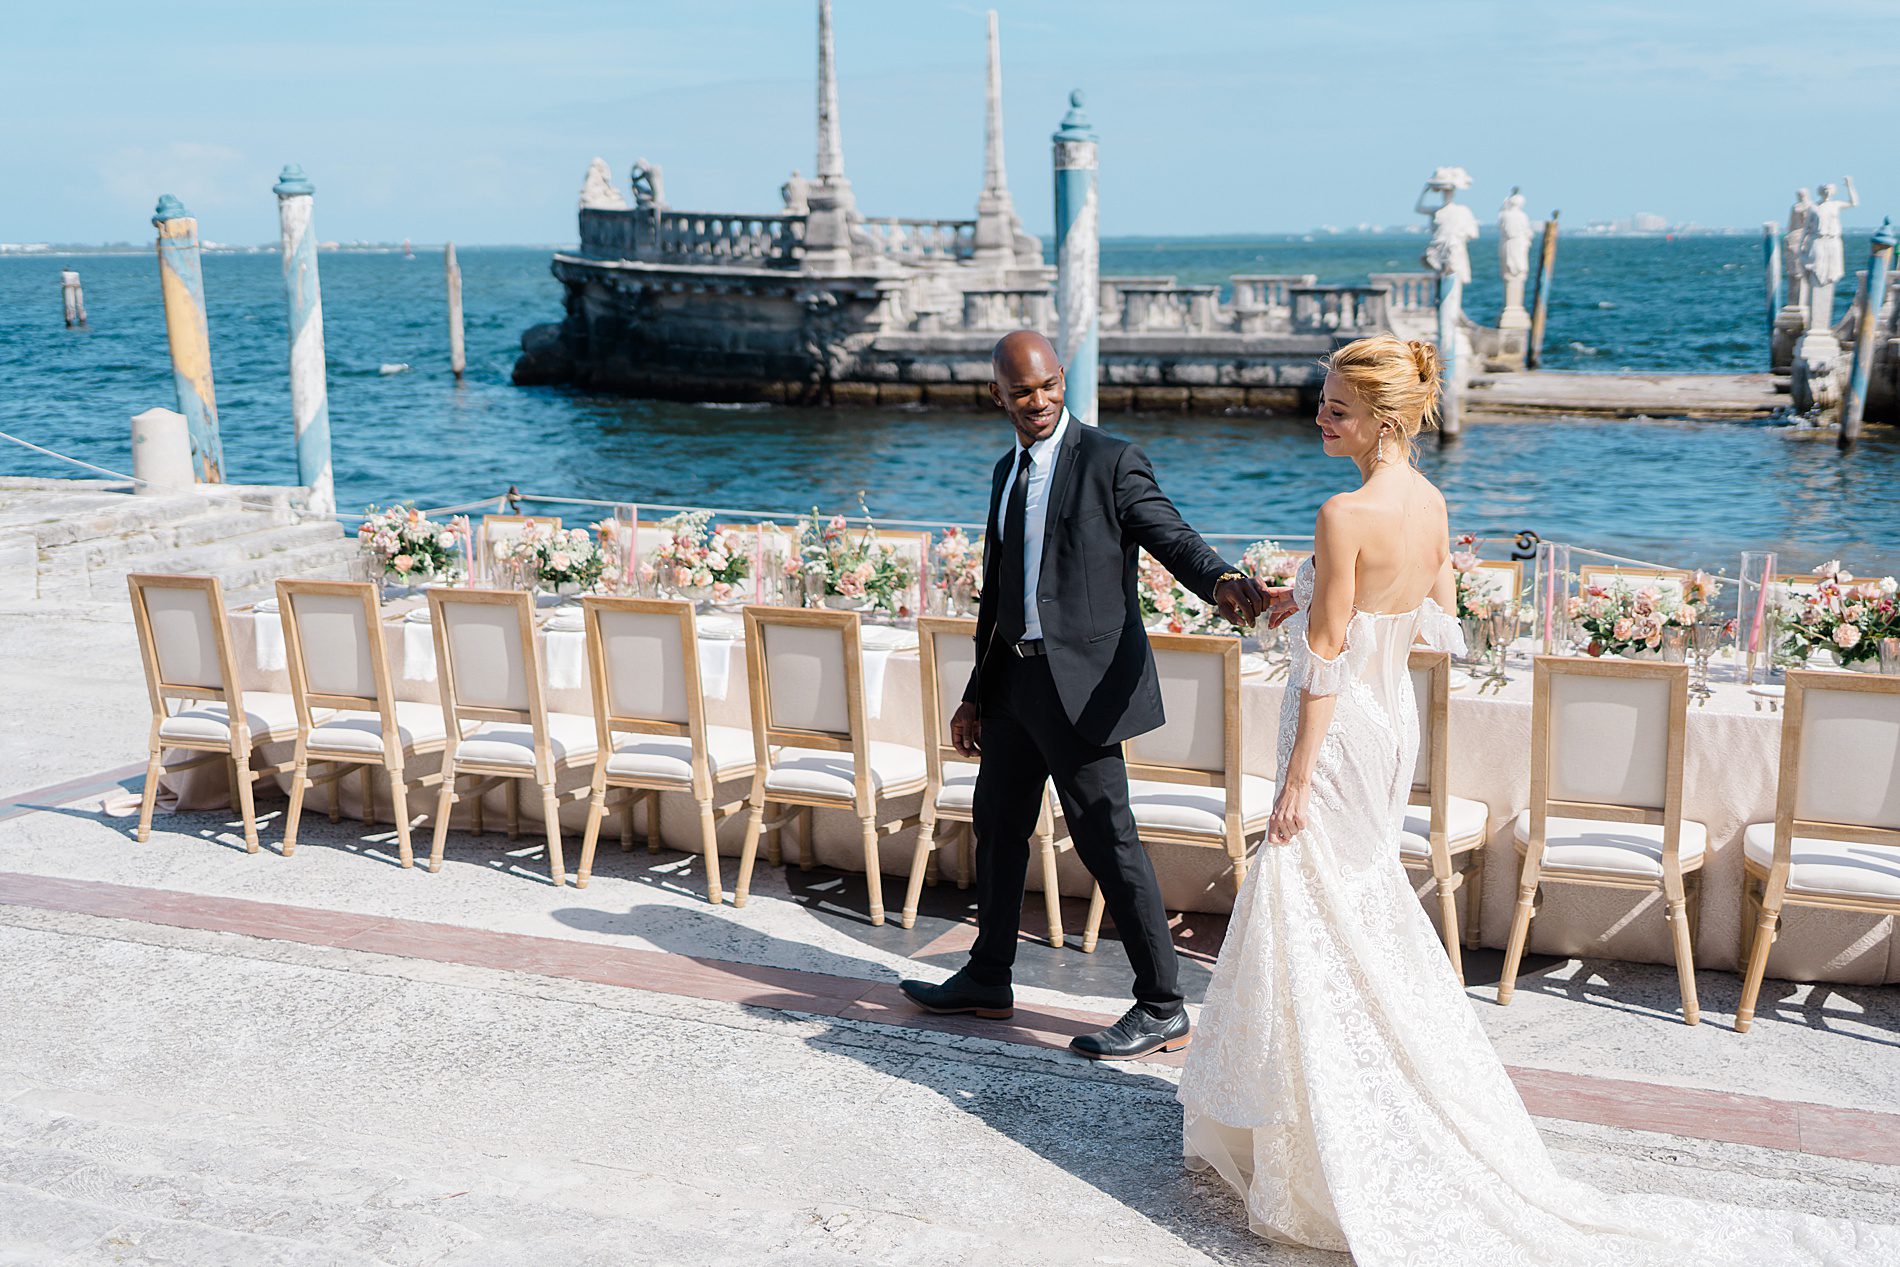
{"x": 1289, "y": 813}
{"x": 1280, "y": 605}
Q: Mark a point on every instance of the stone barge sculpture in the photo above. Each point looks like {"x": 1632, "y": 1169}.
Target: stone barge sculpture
{"x": 817, "y": 303}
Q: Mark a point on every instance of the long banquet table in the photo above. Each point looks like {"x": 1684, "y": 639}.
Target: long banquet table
{"x": 1729, "y": 781}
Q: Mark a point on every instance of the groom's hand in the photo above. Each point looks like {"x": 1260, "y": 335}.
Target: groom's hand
{"x": 966, "y": 730}
{"x": 1241, "y": 599}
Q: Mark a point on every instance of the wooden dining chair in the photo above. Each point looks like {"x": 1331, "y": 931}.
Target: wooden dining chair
{"x": 490, "y": 679}
{"x": 811, "y": 737}
{"x": 348, "y": 716}
{"x": 185, "y": 645}
{"x": 1606, "y": 797}
{"x": 1670, "y": 581}
{"x": 1442, "y": 835}
{"x": 650, "y": 724}
{"x": 1500, "y": 580}
{"x": 946, "y": 649}
{"x": 1185, "y": 783}
{"x": 1835, "y": 839}
{"x": 498, "y": 528}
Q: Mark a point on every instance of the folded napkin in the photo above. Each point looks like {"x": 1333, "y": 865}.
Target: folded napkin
{"x": 715, "y": 665}
{"x": 418, "y": 651}
{"x": 567, "y": 658}
{"x": 267, "y": 627}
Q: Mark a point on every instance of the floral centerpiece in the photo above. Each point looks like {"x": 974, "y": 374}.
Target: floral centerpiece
{"x": 614, "y": 545}
{"x": 1623, "y": 621}
{"x": 409, "y": 547}
{"x": 1846, "y": 616}
{"x": 1166, "y": 605}
{"x": 959, "y": 570}
{"x": 1697, "y": 604}
{"x": 554, "y": 558}
{"x": 1267, "y": 563}
{"x": 850, "y": 570}
{"x": 695, "y": 561}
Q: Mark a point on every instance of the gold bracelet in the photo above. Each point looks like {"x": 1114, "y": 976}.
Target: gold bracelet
{"x": 1225, "y": 577}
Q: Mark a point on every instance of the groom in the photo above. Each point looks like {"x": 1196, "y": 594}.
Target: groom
{"x": 1063, "y": 675}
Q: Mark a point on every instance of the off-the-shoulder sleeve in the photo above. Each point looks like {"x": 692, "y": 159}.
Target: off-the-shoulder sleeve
{"x": 1313, "y": 673}
{"x": 1438, "y": 631}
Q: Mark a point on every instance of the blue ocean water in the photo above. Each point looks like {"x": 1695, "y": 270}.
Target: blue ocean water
{"x": 1690, "y": 493}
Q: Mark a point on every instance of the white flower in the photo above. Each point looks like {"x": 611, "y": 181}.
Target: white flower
{"x": 1829, "y": 568}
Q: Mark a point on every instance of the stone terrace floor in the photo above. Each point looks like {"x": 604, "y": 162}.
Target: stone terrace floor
{"x": 210, "y": 1057}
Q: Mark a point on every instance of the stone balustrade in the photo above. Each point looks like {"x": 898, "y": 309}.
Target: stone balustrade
{"x": 1111, "y": 293}
{"x": 1410, "y": 292}
{"x": 914, "y": 240}
{"x": 692, "y": 237}
{"x": 1169, "y": 309}
{"x": 1009, "y": 308}
{"x": 1338, "y": 309}
{"x": 1263, "y": 301}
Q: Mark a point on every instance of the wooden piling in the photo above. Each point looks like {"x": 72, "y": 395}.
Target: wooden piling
{"x": 74, "y": 298}
{"x": 1874, "y": 292}
{"x": 457, "y": 361}
{"x": 1534, "y": 353}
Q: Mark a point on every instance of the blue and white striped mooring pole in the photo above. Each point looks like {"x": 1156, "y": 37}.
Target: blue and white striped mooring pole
{"x": 181, "y": 281}
{"x": 1777, "y": 277}
{"x": 1855, "y": 406}
{"x": 309, "y": 391}
{"x": 1078, "y": 261}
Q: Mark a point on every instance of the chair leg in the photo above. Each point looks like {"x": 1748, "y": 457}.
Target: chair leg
{"x": 1694, "y": 881}
{"x": 1685, "y": 952}
{"x": 148, "y": 796}
{"x": 514, "y": 809}
{"x": 873, "y": 870}
{"x": 755, "y": 819}
{"x": 336, "y": 797}
{"x": 1092, "y": 926}
{"x": 919, "y": 865}
{"x": 966, "y": 837}
{"x": 551, "y": 810}
{"x": 1520, "y": 931}
{"x": 626, "y": 821}
{"x": 653, "y": 822}
{"x": 1474, "y": 897}
{"x": 299, "y": 780}
{"x": 246, "y": 807}
{"x": 1448, "y": 925}
{"x": 709, "y": 844}
{"x": 1760, "y": 930}
{"x": 443, "y": 804}
{"x": 807, "y": 840}
{"x": 368, "y": 807}
{"x": 1051, "y": 889}
{"x": 399, "y": 806}
{"x": 775, "y": 846}
{"x": 596, "y": 806}
{"x": 476, "y": 814}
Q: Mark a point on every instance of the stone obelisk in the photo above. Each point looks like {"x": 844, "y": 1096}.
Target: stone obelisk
{"x": 832, "y": 205}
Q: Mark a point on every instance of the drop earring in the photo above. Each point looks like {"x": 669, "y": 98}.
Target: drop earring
{"x": 1378, "y": 458}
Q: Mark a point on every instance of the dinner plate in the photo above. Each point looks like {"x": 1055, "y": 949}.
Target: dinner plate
{"x": 265, "y": 605}
{"x": 1252, "y": 663}
{"x": 417, "y": 615}
{"x": 562, "y": 622}
{"x": 718, "y": 626}
{"x": 886, "y": 638}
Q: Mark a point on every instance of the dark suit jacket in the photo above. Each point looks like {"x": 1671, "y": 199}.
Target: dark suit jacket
{"x": 1103, "y": 503}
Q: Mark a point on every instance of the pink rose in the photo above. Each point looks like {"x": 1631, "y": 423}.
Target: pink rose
{"x": 560, "y": 561}
{"x": 402, "y": 562}
{"x": 1164, "y": 603}
{"x": 1622, "y": 629}
{"x": 1846, "y": 636}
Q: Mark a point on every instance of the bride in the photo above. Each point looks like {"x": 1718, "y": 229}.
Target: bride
{"x": 1339, "y": 1079}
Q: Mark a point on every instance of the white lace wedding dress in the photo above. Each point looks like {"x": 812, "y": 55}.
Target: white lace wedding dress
{"x": 1339, "y": 1079}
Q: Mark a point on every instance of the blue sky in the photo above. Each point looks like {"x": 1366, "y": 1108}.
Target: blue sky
{"x": 475, "y": 120}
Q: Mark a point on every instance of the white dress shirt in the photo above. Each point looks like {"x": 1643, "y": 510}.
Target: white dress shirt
{"x": 1042, "y": 466}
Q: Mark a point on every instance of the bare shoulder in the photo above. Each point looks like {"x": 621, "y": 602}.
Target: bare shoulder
{"x": 1343, "y": 515}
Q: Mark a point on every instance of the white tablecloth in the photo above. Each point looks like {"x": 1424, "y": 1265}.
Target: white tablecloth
{"x": 1729, "y": 782}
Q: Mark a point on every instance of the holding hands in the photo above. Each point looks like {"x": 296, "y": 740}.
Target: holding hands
{"x": 1243, "y": 600}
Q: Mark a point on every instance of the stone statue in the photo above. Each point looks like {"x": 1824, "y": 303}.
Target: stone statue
{"x": 649, "y": 192}
{"x": 1453, "y": 225}
{"x": 1514, "y": 259}
{"x": 597, "y": 189}
{"x": 1794, "y": 243}
{"x": 794, "y": 192}
{"x": 1514, "y": 240}
{"x": 1822, "y": 260}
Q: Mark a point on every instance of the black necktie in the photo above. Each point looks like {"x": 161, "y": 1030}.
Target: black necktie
{"x": 1010, "y": 620}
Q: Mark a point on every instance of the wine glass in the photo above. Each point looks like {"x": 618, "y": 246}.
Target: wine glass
{"x": 1706, "y": 636}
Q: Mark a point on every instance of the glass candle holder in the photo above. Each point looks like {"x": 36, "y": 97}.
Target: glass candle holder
{"x": 1754, "y": 614}
{"x": 1675, "y": 644}
{"x": 1890, "y": 655}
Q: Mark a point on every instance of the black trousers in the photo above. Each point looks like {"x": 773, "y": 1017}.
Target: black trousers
{"x": 1027, "y": 738}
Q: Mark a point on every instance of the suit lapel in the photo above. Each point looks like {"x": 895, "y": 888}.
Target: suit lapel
{"x": 1059, "y": 483}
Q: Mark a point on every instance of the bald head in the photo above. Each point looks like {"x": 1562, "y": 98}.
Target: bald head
{"x": 1026, "y": 382}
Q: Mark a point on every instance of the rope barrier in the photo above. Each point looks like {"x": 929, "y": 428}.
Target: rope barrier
{"x": 28, "y": 444}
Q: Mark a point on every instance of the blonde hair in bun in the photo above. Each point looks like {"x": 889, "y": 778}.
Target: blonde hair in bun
{"x": 1397, "y": 380}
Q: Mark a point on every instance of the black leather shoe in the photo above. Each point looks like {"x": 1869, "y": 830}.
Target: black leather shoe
{"x": 1139, "y": 1033}
{"x": 960, "y": 994}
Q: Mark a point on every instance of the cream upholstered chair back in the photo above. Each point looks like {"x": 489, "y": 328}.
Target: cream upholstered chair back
{"x": 1846, "y": 749}
{"x": 1666, "y": 581}
{"x": 485, "y": 651}
{"x": 1607, "y": 736}
{"x": 946, "y": 649}
{"x": 1200, "y": 695}
{"x": 805, "y": 670}
{"x": 647, "y": 656}
{"x": 1431, "y": 693}
{"x": 1500, "y": 580}
{"x": 333, "y": 641}
{"x": 181, "y": 622}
